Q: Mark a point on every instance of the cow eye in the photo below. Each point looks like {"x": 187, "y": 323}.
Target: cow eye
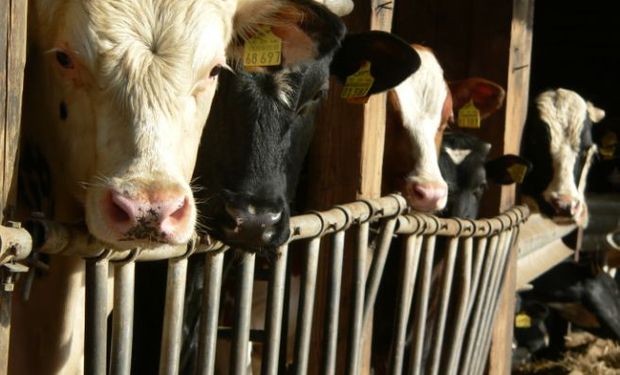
{"x": 64, "y": 60}
{"x": 215, "y": 71}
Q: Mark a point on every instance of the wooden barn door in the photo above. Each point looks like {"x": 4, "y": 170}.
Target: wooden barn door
{"x": 13, "y": 18}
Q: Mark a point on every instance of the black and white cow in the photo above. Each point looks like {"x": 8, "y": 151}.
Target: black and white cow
{"x": 259, "y": 133}
{"x": 577, "y": 293}
{"x": 556, "y": 139}
{"x": 464, "y": 166}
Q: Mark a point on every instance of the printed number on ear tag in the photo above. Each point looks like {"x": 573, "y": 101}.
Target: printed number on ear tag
{"x": 358, "y": 84}
{"x": 517, "y": 172}
{"x": 469, "y": 116}
{"x": 523, "y": 320}
{"x": 263, "y": 49}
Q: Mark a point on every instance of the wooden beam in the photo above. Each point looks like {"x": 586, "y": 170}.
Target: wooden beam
{"x": 13, "y": 19}
{"x": 347, "y": 154}
{"x": 516, "y": 112}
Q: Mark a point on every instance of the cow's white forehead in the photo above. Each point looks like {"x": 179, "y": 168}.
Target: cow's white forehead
{"x": 564, "y": 111}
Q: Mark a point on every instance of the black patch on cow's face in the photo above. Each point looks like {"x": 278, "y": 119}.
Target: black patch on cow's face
{"x": 535, "y": 147}
{"x": 252, "y": 153}
{"x": 466, "y": 181}
{"x": 62, "y": 110}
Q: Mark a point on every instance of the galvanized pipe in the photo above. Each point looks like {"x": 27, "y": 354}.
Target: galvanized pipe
{"x": 306, "y": 307}
{"x": 122, "y": 318}
{"x": 446, "y": 288}
{"x": 96, "y": 316}
{"x": 15, "y": 243}
{"x": 376, "y": 270}
{"x": 413, "y": 249}
{"x": 173, "y": 317}
{"x": 491, "y": 300}
{"x": 472, "y": 341}
{"x": 471, "y": 277}
{"x": 333, "y": 304}
{"x": 359, "y": 287}
{"x": 419, "y": 327}
{"x": 275, "y": 307}
{"x": 243, "y": 315}
{"x": 214, "y": 263}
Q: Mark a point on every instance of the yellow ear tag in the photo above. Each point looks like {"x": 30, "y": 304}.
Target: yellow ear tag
{"x": 608, "y": 145}
{"x": 263, "y": 49}
{"x": 517, "y": 172}
{"x": 522, "y": 320}
{"x": 469, "y": 116}
{"x": 357, "y": 85}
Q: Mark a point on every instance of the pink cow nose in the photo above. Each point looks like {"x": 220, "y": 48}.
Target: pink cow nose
{"x": 427, "y": 196}
{"x": 565, "y": 205}
{"x": 154, "y": 217}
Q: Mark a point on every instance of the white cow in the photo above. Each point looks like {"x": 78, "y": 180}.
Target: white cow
{"x": 116, "y": 96}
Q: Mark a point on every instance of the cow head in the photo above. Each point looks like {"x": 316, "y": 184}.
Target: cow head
{"x": 418, "y": 111}
{"x": 263, "y": 121}
{"x": 122, "y": 90}
{"x": 557, "y": 137}
{"x": 464, "y": 166}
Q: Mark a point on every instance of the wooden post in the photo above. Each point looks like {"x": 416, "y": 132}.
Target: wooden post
{"x": 516, "y": 113}
{"x": 347, "y": 154}
{"x": 13, "y": 18}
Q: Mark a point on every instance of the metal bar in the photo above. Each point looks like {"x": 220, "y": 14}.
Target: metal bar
{"x": 304, "y": 322}
{"x": 241, "y": 344}
{"x": 96, "y": 316}
{"x": 446, "y": 288}
{"x": 15, "y": 243}
{"x": 214, "y": 263}
{"x": 413, "y": 248}
{"x": 418, "y": 329}
{"x": 470, "y": 347}
{"x": 275, "y": 308}
{"x": 122, "y": 318}
{"x": 333, "y": 304}
{"x": 490, "y": 301}
{"x": 357, "y": 311}
{"x": 170, "y": 354}
{"x": 474, "y": 278}
{"x": 463, "y": 296}
{"x": 376, "y": 270}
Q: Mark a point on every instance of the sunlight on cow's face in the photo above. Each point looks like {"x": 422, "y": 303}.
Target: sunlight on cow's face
{"x": 130, "y": 87}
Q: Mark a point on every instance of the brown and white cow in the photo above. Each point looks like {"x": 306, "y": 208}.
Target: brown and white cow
{"x": 116, "y": 96}
{"x": 418, "y": 112}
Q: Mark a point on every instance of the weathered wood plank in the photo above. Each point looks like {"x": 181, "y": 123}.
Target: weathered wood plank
{"x": 516, "y": 112}
{"x": 13, "y": 19}
{"x": 347, "y": 154}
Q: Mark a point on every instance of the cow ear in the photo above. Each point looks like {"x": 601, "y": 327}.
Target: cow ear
{"x": 307, "y": 30}
{"x": 391, "y": 59}
{"x": 487, "y": 96}
{"x": 507, "y": 169}
{"x": 595, "y": 114}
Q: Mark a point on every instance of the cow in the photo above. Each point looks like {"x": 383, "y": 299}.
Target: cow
{"x": 251, "y": 160}
{"x": 578, "y": 293}
{"x": 464, "y": 165}
{"x": 556, "y": 140}
{"x": 116, "y": 96}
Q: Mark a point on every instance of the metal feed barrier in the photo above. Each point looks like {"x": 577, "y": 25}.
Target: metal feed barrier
{"x": 474, "y": 262}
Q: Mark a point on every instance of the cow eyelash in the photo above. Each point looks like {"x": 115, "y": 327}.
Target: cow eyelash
{"x": 64, "y": 60}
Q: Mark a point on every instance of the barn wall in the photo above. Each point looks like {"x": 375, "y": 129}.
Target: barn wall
{"x": 12, "y": 62}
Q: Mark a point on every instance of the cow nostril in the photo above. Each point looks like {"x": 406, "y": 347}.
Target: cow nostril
{"x": 180, "y": 212}
{"x": 418, "y": 191}
{"x": 118, "y": 214}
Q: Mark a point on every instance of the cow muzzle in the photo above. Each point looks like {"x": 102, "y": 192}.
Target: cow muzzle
{"x": 255, "y": 226}
{"x": 427, "y": 196}
{"x": 161, "y": 216}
